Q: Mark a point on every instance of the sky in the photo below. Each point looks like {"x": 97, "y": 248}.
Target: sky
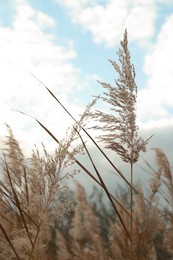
{"x": 66, "y": 44}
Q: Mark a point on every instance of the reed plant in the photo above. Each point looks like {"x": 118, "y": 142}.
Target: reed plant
{"x": 120, "y": 131}
{"x": 118, "y": 125}
{"x": 32, "y": 209}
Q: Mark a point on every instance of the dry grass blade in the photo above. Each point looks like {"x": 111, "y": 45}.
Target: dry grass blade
{"x": 53, "y": 137}
{"x": 26, "y": 186}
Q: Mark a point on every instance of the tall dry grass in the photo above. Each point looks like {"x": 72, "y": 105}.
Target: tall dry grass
{"x": 34, "y": 207}
{"x": 118, "y": 125}
{"x": 120, "y": 132}
{"x": 28, "y": 197}
{"x": 30, "y": 201}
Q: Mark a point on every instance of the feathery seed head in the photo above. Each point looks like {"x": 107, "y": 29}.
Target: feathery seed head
{"x": 121, "y": 131}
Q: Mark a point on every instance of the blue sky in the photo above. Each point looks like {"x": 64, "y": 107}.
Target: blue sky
{"x": 67, "y": 44}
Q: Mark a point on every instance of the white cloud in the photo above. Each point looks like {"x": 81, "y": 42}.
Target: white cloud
{"x": 165, "y": 2}
{"x": 155, "y": 101}
{"x": 28, "y": 19}
{"x": 26, "y": 45}
{"x": 108, "y": 21}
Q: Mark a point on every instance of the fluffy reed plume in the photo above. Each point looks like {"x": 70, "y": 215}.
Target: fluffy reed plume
{"x": 28, "y": 198}
{"x": 120, "y": 132}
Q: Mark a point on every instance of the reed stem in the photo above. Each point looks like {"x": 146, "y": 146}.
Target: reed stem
{"x": 131, "y": 210}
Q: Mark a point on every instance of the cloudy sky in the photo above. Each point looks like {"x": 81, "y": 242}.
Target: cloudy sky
{"x": 67, "y": 44}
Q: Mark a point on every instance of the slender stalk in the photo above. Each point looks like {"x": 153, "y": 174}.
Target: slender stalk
{"x": 131, "y": 210}
{"x": 26, "y": 186}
